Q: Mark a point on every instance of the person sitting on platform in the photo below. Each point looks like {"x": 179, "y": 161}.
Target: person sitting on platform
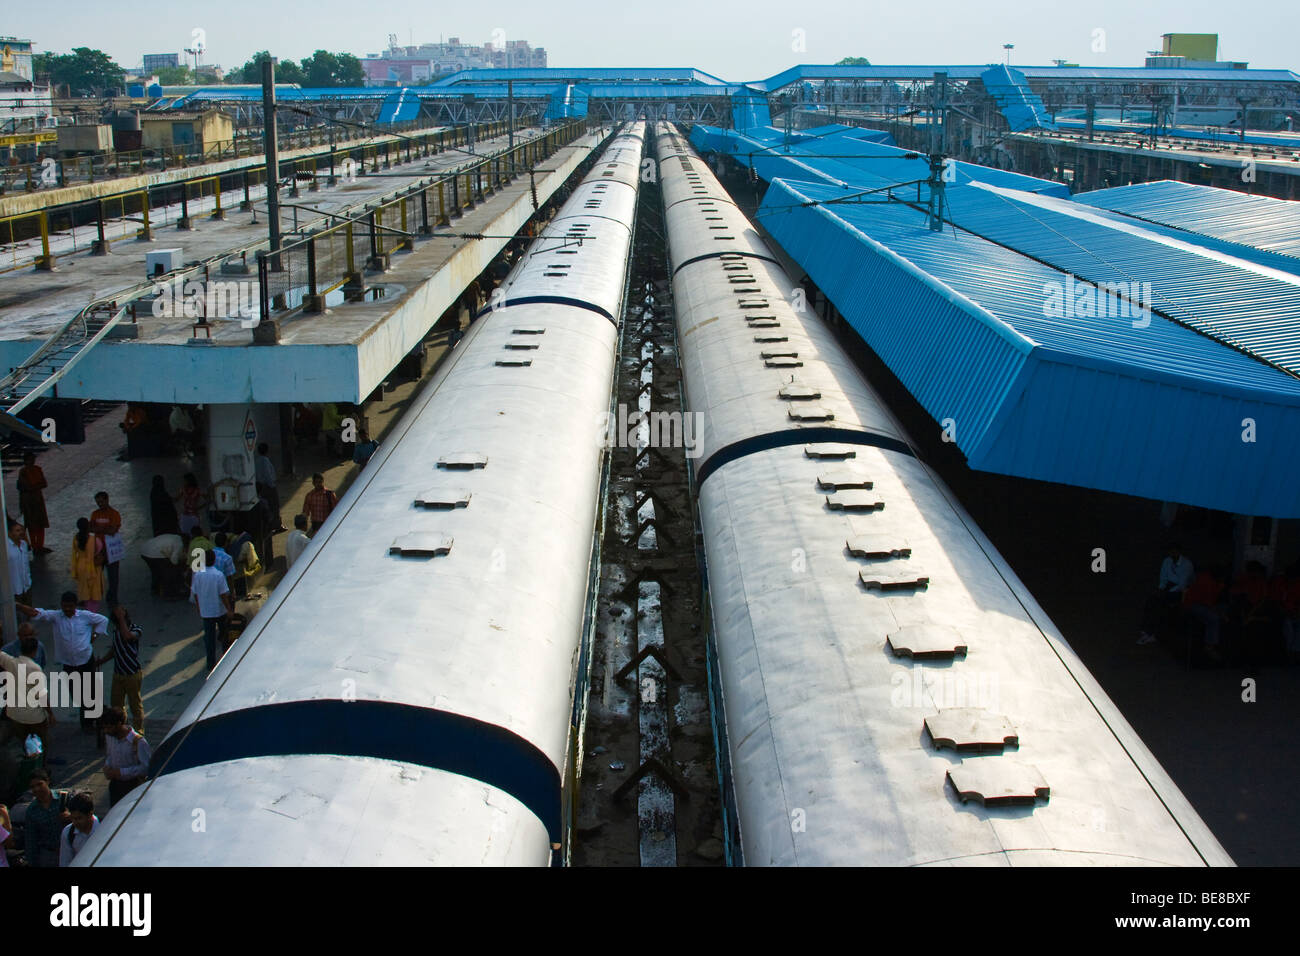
{"x": 1204, "y": 602}
{"x": 1176, "y": 573}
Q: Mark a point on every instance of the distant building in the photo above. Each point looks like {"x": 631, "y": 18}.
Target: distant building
{"x": 1194, "y": 46}
{"x": 195, "y": 131}
{"x": 26, "y": 110}
{"x": 516, "y": 55}
{"x": 159, "y": 61}
{"x": 16, "y": 57}
{"x": 1191, "y": 51}
{"x": 415, "y": 65}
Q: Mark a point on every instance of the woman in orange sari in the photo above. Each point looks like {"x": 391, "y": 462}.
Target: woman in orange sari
{"x": 31, "y": 502}
{"x": 87, "y": 566}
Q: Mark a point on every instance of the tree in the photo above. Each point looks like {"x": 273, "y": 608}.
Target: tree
{"x": 286, "y": 71}
{"x": 87, "y": 72}
{"x": 174, "y": 75}
{"x": 325, "y": 69}
{"x": 854, "y": 61}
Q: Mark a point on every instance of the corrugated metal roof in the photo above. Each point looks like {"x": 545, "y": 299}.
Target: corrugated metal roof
{"x": 1231, "y": 298}
{"x": 1260, "y": 222}
{"x": 1086, "y": 400}
{"x": 847, "y": 157}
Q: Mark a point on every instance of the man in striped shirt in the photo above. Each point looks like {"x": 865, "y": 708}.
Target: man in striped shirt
{"x": 128, "y": 675}
{"x": 319, "y": 502}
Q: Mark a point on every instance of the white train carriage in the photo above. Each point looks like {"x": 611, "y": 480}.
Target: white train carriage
{"x": 406, "y": 696}
{"x": 892, "y": 693}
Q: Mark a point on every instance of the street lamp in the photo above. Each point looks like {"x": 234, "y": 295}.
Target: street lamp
{"x": 1008, "y": 47}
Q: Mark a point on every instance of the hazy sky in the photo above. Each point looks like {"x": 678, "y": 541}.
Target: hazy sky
{"x": 737, "y": 41}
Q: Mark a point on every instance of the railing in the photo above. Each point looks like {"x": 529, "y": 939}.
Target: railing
{"x": 127, "y": 214}
{"x": 51, "y": 173}
{"x": 307, "y": 270}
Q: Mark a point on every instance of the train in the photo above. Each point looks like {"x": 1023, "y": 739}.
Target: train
{"x": 412, "y": 692}
{"x": 886, "y": 690}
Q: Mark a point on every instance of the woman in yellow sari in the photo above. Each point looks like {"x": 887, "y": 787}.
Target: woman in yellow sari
{"x": 88, "y": 566}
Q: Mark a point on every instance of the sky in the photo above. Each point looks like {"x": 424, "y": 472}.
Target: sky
{"x": 736, "y": 41}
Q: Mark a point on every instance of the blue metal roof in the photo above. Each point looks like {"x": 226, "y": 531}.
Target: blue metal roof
{"x": 1260, "y": 222}
{"x": 1228, "y": 297}
{"x": 1233, "y": 294}
{"x": 847, "y": 156}
{"x": 1016, "y": 101}
{"x": 1154, "y": 411}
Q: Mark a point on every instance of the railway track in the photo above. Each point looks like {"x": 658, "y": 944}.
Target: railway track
{"x": 649, "y": 793}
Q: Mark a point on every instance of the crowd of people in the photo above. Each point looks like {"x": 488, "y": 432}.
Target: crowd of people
{"x": 1227, "y": 615}
{"x": 191, "y": 555}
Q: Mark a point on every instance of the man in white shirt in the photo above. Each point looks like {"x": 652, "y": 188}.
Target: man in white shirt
{"x": 1176, "y": 575}
{"x": 1176, "y": 571}
{"x": 75, "y": 630}
{"x": 20, "y": 563}
{"x": 126, "y": 762}
{"x": 77, "y": 833}
{"x": 297, "y": 541}
{"x": 211, "y": 595}
{"x": 164, "y": 555}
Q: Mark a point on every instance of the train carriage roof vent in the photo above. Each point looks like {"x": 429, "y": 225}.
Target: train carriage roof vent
{"x": 444, "y": 498}
{"x": 769, "y": 339}
{"x": 783, "y": 363}
{"x": 890, "y": 577}
{"x": 830, "y": 451}
{"x": 792, "y": 391}
{"x": 529, "y": 330}
{"x": 809, "y": 413}
{"x": 521, "y": 346}
{"x": 464, "y": 460}
{"x": 998, "y": 783}
{"x": 878, "y": 546}
{"x": 836, "y": 480}
{"x": 421, "y": 544}
{"x": 766, "y": 354}
{"x": 854, "y": 500}
{"x": 927, "y": 642}
{"x": 971, "y": 730}
{"x": 514, "y": 363}
{"x": 764, "y": 322}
